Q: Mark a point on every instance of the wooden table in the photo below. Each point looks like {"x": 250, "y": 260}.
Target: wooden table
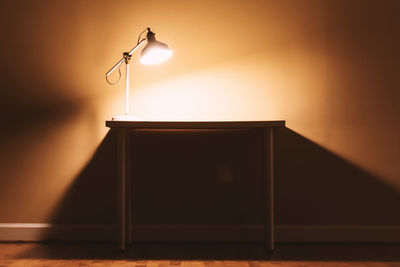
{"x": 124, "y": 180}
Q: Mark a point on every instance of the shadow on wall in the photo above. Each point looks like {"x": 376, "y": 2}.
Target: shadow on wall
{"x": 316, "y": 187}
{"x": 92, "y": 198}
{"x": 313, "y": 187}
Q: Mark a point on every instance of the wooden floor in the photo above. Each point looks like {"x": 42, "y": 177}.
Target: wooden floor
{"x": 252, "y": 255}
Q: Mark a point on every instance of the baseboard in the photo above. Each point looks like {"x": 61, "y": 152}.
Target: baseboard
{"x": 338, "y": 233}
{"x": 223, "y": 233}
{"x": 46, "y": 231}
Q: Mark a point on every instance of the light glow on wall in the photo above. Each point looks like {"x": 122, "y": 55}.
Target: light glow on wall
{"x": 311, "y": 63}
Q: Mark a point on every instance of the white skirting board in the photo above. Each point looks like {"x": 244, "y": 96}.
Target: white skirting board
{"x": 223, "y": 233}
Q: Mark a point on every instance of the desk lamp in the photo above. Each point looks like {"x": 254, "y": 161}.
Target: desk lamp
{"x": 154, "y": 52}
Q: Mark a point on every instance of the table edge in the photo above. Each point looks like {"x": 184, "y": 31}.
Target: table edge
{"x": 195, "y": 124}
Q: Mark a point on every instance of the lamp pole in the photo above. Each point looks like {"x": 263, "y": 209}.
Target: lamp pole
{"x": 127, "y": 57}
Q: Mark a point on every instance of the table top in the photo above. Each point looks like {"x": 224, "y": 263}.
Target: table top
{"x": 194, "y": 124}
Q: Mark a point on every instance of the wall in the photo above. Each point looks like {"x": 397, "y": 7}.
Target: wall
{"x": 329, "y": 68}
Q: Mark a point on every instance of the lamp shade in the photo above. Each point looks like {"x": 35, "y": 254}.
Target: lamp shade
{"x": 155, "y": 51}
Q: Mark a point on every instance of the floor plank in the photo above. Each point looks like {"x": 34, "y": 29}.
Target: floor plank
{"x": 199, "y": 255}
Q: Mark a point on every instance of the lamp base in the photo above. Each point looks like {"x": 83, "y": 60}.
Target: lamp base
{"x": 126, "y": 118}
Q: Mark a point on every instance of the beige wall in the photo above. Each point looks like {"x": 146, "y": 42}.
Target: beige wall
{"x": 329, "y": 68}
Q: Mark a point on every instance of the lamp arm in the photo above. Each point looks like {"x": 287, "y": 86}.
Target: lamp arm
{"x": 123, "y": 59}
{"x": 141, "y": 42}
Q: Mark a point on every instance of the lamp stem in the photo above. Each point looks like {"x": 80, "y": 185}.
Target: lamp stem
{"x": 127, "y": 57}
{"x": 127, "y": 88}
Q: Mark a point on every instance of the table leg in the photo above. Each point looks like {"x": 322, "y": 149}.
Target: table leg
{"x": 269, "y": 184}
{"x": 122, "y": 174}
{"x": 128, "y": 192}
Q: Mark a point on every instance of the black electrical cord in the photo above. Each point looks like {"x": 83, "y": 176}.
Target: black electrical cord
{"x": 140, "y": 35}
{"x": 119, "y": 77}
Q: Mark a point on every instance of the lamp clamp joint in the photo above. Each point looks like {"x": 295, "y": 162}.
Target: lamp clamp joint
{"x": 127, "y": 57}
